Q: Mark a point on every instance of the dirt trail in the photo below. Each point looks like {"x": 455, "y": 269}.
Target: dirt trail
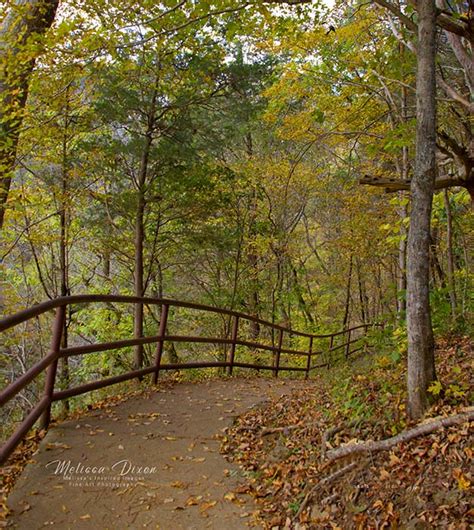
{"x": 145, "y": 463}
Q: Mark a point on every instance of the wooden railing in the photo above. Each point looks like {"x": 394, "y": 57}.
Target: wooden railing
{"x": 49, "y": 363}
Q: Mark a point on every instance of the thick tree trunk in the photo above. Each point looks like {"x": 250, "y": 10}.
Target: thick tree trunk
{"x": 25, "y": 23}
{"x": 421, "y": 366}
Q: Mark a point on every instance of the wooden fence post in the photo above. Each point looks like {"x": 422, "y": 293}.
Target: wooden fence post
{"x": 161, "y": 340}
{"x": 310, "y": 353}
{"x": 235, "y": 331}
{"x": 277, "y": 359}
{"x": 138, "y": 333}
{"x": 53, "y": 367}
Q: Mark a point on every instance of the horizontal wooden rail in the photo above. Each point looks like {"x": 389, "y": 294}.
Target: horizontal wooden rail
{"x": 19, "y": 384}
{"x": 44, "y": 307}
{"x": 344, "y": 345}
{"x": 119, "y": 344}
{"x": 49, "y": 362}
{"x": 23, "y": 429}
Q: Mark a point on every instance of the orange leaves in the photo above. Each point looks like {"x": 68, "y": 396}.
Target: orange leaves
{"x": 463, "y": 482}
{"x": 423, "y": 481}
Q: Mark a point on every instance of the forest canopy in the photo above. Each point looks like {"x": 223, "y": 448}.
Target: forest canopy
{"x": 213, "y": 151}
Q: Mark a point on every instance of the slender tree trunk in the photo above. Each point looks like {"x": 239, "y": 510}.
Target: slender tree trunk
{"x": 345, "y": 320}
{"x": 403, "y": 213}
{"x": 138, "y": 271}
{"x": 402, "y": 263}
{"x": 252, "y": 257}
{"x": 63, "y": 247}
{"x": 421, "y": 365}
{"x": 106, "y": 263}
{"x": 403, "y": 210}
{"x": 362, "y": 296}
{"x": 20, "y": 31}
{"x": 139, "y": 284}
{"x": 437, "y": 270}
{"x": 449, "y": 245}
{"x": 301, "y": 301}
{"x": 139, "y": 242}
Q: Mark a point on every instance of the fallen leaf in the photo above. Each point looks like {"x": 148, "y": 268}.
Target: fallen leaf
{"x": 57, "y": 445}
{"x": 230, "y": 496}
{"x": 206, "y": 506}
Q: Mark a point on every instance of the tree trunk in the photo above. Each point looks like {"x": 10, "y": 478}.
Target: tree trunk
{"x": 139, "y": 240}
{"x": 63, "y": 252}
{"x": 403, "y": 212}
{"x": 449, "y": 245}
{"x": 345, "y": 320}
{"x": 106, "y": 264}
{"x": 141, "y": 183}
{"x": 252, "y": 257}
{"x": 421, "y": 366}
{"x": 363, "y": 298}
{"x": 24, "y": 25}
{"x": 402, "y": 259}
{"x": 437, "y": 269}
{"x": 301, "y": 300}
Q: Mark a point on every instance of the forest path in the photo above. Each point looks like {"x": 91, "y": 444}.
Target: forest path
{"x": 157, "y": 463}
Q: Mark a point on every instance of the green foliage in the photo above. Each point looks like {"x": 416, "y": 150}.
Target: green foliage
{"x": 249, "y": 129}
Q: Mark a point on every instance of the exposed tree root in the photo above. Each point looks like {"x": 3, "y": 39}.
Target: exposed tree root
{"x": 329, "y": 433}
{"x": 324, "y": 482}
{"x": 405, "y": 436}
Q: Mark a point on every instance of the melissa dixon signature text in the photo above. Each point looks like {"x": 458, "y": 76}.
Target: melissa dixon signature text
{"x": 122, "y": 468}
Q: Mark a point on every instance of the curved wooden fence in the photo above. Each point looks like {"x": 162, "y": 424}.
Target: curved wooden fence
{"x": 349, "y": 344}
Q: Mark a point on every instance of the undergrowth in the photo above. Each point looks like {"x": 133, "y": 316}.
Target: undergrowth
{"x": 422, "y": 483}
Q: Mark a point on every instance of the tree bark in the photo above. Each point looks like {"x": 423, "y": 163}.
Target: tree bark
{"x": 64, "y": 221}
{"x": 421, "y": 365}
{"x": 252, "y": 257}
{"x": 25, "y": 23}
{"x": 449, "y": 245}
{"x": 347, "y": 304}
{"x": 139, "y": 284}
{"x": 402, "y": 262}
{"x": 384, "y": 445}
{"x": 363, "y": 299}
{"x": 139, "y": 241}
{"x": 403, "y": 212}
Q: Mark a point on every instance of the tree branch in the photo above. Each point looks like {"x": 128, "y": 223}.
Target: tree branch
{"x": 451, "y": 93}
{"x": 444, "y": 19}
{"x": 385, "y": 445}
{"x": 393, "y": 184}
{"x": 395, "y": 10}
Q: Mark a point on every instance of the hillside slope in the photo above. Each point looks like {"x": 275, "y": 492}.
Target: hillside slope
{"x": 422, "y": 483}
